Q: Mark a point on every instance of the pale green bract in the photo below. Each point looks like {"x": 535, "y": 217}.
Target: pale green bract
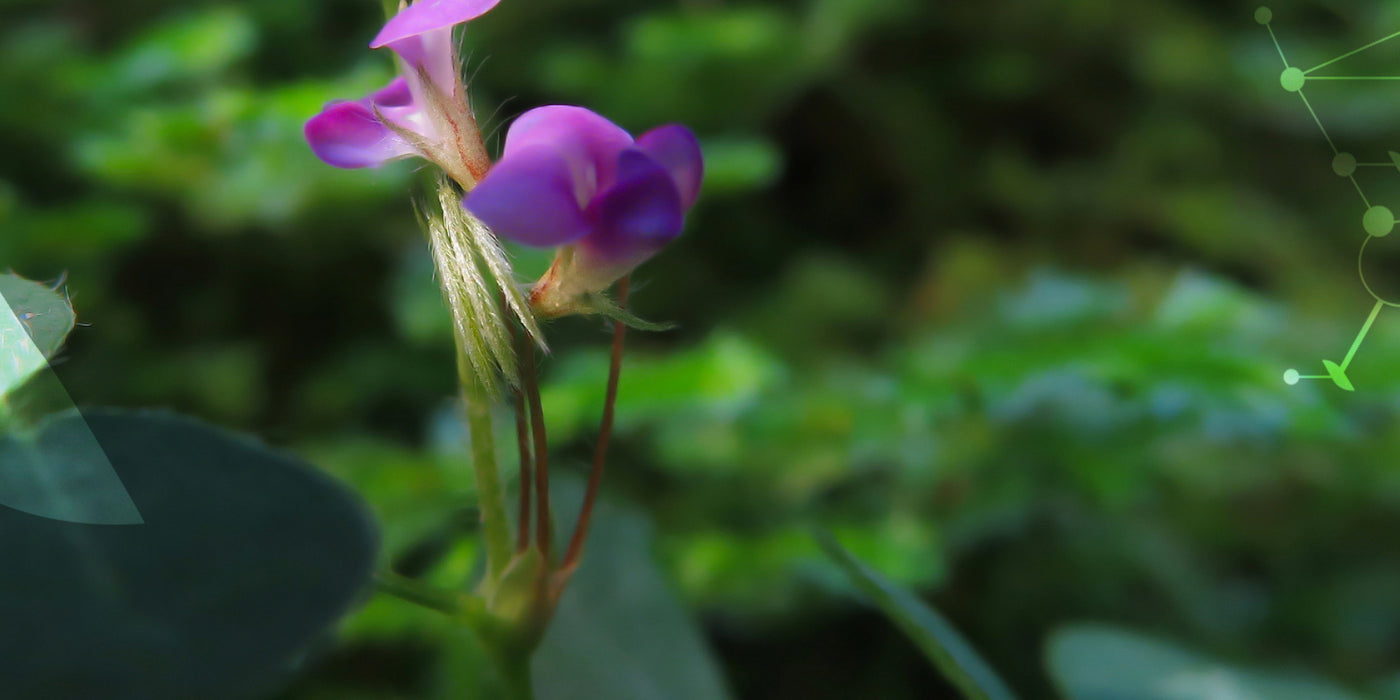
{"x": 476, "y": 277}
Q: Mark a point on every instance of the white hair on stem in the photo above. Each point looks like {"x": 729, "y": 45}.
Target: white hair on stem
{"x": 475, "y": 275}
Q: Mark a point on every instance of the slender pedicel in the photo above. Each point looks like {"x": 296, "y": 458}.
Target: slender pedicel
{"x": 522, "y": 443}
{"x": 600, "y": 454}
{"x": 543, "y": 530}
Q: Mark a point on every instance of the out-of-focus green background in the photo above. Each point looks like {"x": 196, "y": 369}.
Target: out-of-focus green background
{"x": 1002, "y": 294}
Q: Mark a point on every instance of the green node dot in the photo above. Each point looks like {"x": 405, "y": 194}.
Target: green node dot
{"x": 1263, "y": 15}
{"x": 1378, "y": 221}
{"x": 1290, "y": 377}
{"x": 1292, "y": 79}
{"x": 1344, "y": 164}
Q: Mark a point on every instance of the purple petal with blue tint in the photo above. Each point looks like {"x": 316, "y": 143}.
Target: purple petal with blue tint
{"x": 675, "y": 148}
{"x": 427, "y": 15}
{"x": 432, "y": 52}
{"x": 528, "y": 197}
{"x": 348, "y": 135}
{"x": 589, "y": 143}
{"x": 395, "y": 94}
{"x": 639, "y": 214}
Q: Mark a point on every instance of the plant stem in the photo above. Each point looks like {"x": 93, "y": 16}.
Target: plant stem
{"x": 600, "y": 454}
{"x": 514, "y": 670}
{"x": 417, "y": 593}
{"x": 495, "y": 528}
{"x": 522, "y": 443}
{"x": 543, "y": 528}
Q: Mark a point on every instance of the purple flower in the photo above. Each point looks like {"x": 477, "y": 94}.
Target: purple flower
{"x": 423, "y": 112}
{"x": 569, "y": 177}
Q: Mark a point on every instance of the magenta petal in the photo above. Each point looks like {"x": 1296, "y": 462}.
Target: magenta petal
{"x": 675, "y": 148}
{"x": 430, "y": 51}
{"x": 641, "y": 213}
{"x": 395, "y": 94}
{"x": 588, "y": 142}
{"x": 427, "y": 15}
{"x": 348, "y": 135}
{"x": 528, "y": 197}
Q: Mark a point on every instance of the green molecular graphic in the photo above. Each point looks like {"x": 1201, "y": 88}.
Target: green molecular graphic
{"x": 1377, "y": 221}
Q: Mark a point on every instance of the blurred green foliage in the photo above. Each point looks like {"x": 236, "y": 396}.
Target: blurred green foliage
{"x": 1001, "y": 296}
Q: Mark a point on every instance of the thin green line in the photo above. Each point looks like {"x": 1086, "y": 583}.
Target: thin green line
{"x": 1350, "y": 53}
{"x": 1375, "y": 165}
{"x": 1355, "y": 77}
{"x": 1321, "y": 128}
{"x": 1357, "y": 185}
{"x": 1361, "y": 272}
{"x": 1313, "y": 376}
{"x": 1276, "y": 45}
{"x": 1375, "y": 310}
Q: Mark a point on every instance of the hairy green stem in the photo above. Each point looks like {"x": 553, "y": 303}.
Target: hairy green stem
{"x": 495, "y": 528}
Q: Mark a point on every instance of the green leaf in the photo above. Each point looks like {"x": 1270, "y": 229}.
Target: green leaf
{"x": 69, "y": 480}
{"x": 44, "y": 311}
{"x": 246, "y": 556}
{"x": 196, "y": 46}
{"x": 1389, "y": 688}
{"x": 1093, "y": 662}
{"x": 34, "y": 320}
{"x": 942, "y": 644}
{"x": 73, "y": 482}
{"x": 619, "y": 632}
{"x": 740, "y": 165}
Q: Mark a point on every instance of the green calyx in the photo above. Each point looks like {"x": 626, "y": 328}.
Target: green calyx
{"x": 569, "y": 289}
{"x": 605, "y": 306}
{"x": 517, "y": 606}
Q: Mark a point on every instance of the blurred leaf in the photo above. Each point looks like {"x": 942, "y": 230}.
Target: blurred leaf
{"x": 619, "y": 632}
{"x": 1390, "y": 688}
{"x": 71, "y": 481}
{"x": 943, "y": 645}
{"x": 34, "y": 321}
{"x": 721, "y": 377}
{"x": 192, "y": 47}
{"x": 734, "y": 165}
{"x": 833, "y": 25}
{"x": 43, "y": 311}
{"x": 464, "y": 670}
{"x": 246, "y": 557}
{"x": 415, "y": 494}
{"x": 232, "y": 154}
{"x": 1091, "y": 662}
{"x": 752, "y": 55}
{"x": 72, "y": 236}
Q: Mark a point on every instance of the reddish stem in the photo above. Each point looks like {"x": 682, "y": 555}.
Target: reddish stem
{"x": 600, "y": 453}
{"x": 522, "y": 435}
{"x": 522, "y": 441}
{"x": 543, "y": 533}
